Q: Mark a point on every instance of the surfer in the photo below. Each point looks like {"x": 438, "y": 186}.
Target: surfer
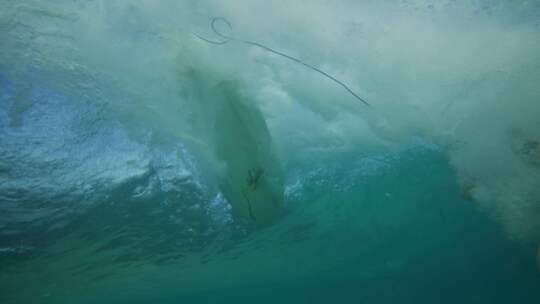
{"x": 253, "y": 177}
{"x": 252, "y": 180}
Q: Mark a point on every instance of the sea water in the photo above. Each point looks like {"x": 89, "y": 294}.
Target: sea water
{"x": 141, "y": 162}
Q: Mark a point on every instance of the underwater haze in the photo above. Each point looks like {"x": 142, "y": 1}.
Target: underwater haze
{"x": 251, "y": 151}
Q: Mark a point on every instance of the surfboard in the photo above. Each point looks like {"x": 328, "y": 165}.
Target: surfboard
{"x": 252, "y": 178}
{"x": 231, "y": 129}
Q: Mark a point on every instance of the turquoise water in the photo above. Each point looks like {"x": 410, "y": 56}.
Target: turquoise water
{"x": 140, "y": 163}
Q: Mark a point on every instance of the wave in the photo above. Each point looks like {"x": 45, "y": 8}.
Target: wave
{"x": 131, "y": 150}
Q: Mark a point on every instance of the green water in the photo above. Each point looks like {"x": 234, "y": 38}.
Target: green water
{"x": 403, "y": 234}
{"x": 167, "y": 152}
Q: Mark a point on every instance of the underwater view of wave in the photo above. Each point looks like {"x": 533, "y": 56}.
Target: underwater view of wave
{"x": 250, "y": 151}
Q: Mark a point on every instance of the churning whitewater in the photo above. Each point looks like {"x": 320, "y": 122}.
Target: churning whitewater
{"x": 269, "y": 151}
